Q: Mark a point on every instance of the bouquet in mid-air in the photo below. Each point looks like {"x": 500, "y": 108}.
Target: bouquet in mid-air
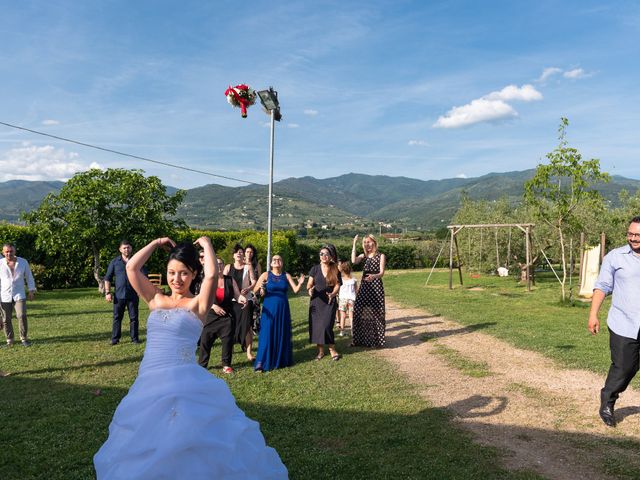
{"x": 241, "y": 96}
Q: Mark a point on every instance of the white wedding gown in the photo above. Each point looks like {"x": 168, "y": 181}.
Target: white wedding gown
{"x": 180, "y": 422}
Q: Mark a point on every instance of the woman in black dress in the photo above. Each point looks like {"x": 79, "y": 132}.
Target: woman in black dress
{"x": 244, "y": 316}
{"x": 369, "y": 310}
{"x": 251, "y": 261}
{"x": 323, "y": 286}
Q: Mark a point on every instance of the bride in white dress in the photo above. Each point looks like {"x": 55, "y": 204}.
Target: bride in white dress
{"x": 178, "y": 421}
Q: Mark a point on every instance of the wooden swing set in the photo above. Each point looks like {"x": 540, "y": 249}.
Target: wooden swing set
{"x": 455, "y": 229}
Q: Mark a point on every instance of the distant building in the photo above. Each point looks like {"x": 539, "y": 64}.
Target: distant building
{"x": 392, "y": 237}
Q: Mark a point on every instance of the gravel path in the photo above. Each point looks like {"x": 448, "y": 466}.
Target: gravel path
{"x": 541, "y": 416}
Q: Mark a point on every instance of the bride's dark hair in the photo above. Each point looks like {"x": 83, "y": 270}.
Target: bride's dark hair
{"x": 186, "y": 253}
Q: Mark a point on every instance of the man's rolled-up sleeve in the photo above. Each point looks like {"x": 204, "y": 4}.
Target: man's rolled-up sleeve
{"x": 604, "y": 282}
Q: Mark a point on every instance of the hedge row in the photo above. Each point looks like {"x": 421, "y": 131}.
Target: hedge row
{"x": 74, "y": 268}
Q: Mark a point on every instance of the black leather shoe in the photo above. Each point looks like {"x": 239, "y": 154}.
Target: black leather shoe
{"x": 136, "y": 341}
{"x": 606, "y": 414}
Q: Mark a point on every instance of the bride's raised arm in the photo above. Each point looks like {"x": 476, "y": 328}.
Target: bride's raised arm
{"x": 210, "y": 270}
{"x": 138, "y": 280}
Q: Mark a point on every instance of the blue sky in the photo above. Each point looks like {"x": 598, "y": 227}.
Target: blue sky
{"x": 422, "y": 89}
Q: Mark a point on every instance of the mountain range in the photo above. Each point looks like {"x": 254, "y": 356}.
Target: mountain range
{"x": 345, "y": 201}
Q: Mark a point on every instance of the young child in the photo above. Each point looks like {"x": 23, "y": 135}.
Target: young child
{"x": 347, "y": 295}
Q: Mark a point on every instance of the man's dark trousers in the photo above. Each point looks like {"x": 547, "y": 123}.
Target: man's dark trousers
{"x": 223, "y": 328}
{"x": 624, "y": 365}
{"x": 118, "y": 314}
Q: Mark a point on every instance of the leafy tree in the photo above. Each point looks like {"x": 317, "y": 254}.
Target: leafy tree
{"x": 96, "y": 209}
{"x": 558, "y": 190}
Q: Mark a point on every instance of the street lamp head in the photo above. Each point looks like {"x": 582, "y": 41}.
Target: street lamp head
{"x": 269, "y": 100}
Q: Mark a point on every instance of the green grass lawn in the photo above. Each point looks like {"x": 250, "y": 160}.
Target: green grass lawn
{"x": 353, "y": 419}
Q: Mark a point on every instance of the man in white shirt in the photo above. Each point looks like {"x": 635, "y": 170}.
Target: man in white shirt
{"x": 14, "y": 271}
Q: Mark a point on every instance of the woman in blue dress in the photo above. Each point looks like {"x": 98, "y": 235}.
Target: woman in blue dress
{"x": 179, "y": 421}
{"x": 275, "y": 348}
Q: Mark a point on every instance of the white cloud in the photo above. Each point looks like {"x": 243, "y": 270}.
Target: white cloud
{"x": 572, "y": 74}
{"x": 488, "y": 108}
{"x": 418, "y": 143}
{"x": 461, "y": 175}
{"x": 311, "y": 112}
{"x": 480, "y": 110}
{"x": 50, "y": 122}
{"x": 293, "y": 125}
{"x": 575, "y": 73}
{"x": 526, "y": 93}
{"x": 548, "y": 72}
{"x": 30, "y": 162}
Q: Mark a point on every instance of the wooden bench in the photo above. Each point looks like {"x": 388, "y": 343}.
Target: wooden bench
{"x": 156, "y": 279}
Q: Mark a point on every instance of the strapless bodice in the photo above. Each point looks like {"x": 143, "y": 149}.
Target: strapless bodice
{"x": 179, "y": 421}
{"x": 172, "y": 335}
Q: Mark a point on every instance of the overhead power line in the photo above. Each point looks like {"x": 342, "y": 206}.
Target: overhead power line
{"x": 96, "y": 147}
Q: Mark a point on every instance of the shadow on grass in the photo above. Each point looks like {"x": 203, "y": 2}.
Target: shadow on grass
{"x": 510, "y": 294}
{"x": 70, "y": 294}
{"x": 624, "y": 412}
{"x": 52, "y": 429}
{"x": 411, "y": 337}
{"x": 44, "y": 313}
{"x": 71, "y": 424}
{"x": 412, "y": 323}
{"x": 479, "y": 406}
{"x": 89, "y": 337}
{"x": 83, "y": 366}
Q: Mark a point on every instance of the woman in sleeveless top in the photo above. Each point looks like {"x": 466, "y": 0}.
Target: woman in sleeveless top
{"x": 243, "y": 334}
{"x": 251, "y": 261}
{"x": 177, "y": 420}
{"x": 275, "y": 347}
{"x": 369, "y": 309}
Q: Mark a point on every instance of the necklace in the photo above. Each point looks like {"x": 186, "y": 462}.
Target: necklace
{"x": 176, "y": 301}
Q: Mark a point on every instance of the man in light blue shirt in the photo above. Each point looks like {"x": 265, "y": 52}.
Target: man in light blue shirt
{"x": 619, "y": 277}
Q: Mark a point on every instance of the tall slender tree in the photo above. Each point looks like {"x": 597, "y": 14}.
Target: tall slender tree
{"x": 560, "y": 187}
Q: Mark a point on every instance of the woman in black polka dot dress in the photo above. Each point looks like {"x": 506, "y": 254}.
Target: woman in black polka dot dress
{"x": 369, "y": 311}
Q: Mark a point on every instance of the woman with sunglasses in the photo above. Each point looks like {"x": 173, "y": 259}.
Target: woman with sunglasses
{"x": 323, "y": 287}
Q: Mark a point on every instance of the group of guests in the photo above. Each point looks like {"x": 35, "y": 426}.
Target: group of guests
{"x": 175, "y": 414}
{"x": 233, "y": 315}
{"x": 332, "y": 291}
{"x": 209, "y": 300}
{"x": 247, "y": 300}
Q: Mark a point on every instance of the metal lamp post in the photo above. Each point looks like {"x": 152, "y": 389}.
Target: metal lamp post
{"x": 269, "y": 100}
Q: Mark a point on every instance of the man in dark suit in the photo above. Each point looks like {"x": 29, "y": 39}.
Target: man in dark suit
{"x": 125, "y": 295}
